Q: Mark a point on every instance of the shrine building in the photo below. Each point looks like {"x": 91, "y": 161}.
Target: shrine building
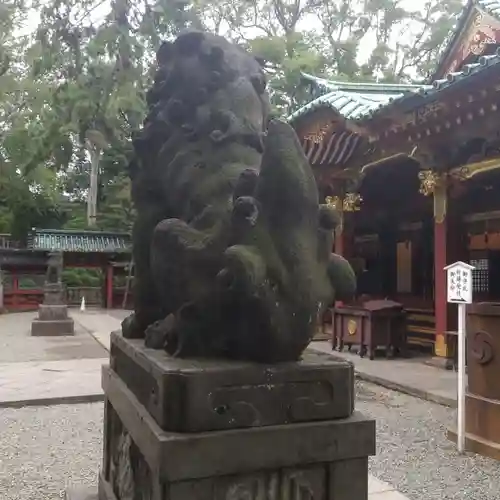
{"x": 415, "y": 172}
{"x": 23, "y": 269}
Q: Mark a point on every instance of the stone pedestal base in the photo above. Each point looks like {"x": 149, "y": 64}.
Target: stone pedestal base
{"x": 81, "y": 494}
{"x": 53, "y": 294}
{"x": 440, "y": 362}
{"x": 206, "y": 430}
{"x": 56, "y": 328}
{"x": 52, "y": 321}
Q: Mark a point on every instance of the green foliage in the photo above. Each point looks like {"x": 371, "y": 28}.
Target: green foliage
{"x": 27, "y": 200}
{"x": 72, "y": 92}
{"x": 77, "y": 277}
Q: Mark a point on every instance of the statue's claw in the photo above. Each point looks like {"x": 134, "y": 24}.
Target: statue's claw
{"x": 131, "y": 329}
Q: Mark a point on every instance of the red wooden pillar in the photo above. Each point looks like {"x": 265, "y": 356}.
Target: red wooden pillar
{"x": 440, "y": 262}
{"x": 344, "y": 239}
{"x": 109, "y": 287}
{"x": 343, "y": 235}
{"x": 449, "y": 246}
{"x": 339, "y": 246}
{"x": 15, "y": 291}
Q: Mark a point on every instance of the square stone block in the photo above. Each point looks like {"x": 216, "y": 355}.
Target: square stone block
{"x": 52, "y": 312}
{"x": 318, "y": 460}
{"x": 54, "y": 328}
{"x": 81, "y": 493}
{"x": 205, "y": 395}
{"x": 53, "y": 294}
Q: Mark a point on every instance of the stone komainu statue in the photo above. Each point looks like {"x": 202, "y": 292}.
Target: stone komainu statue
{"x": 54, "y": 268}
{"x": 232, "y": 250}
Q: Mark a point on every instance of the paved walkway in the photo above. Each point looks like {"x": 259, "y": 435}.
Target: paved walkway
{"x": 410, "y": 376}
{"x": 52, "y": 370}
{"x": 378, "y": 490}
{"x": 62, "y": 366}
{"x": 48, "y": 370}
{"x": 100, "y": 324}
{"x": 50, "y": 382}
{"x": 17, "y": 345}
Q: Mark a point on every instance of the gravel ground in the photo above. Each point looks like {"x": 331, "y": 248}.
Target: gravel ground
{"x": 45, "y": 449}
{"x": 414, "y": 455}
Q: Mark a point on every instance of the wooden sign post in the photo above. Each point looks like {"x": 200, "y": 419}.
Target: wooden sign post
{"x": 459, "y": 291}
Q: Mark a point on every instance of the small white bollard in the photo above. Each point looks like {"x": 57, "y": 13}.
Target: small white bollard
{"x": 82, "y": 305}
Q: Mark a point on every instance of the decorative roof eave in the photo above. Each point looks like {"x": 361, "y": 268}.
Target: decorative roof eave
{"x": 85, "y": 232}
{"x": 434, "y": 143}
{"x": 397, "y": 157}
{"x": 374, "y": 88}
{"x": 470, "y": 10}
{"x": 332, "y": 150}
{"x": 470, "y": 170}
{"x": 322, "y": 102}
{"x": 12, "y": 257}
{"x": 464, "y": 18}
{"x": 490, "y": 6}
{"x": 79, "y": 241}
{"x": 314, "y": 111}
{"x": 352, "y": 106}
{"x": 453, "y": 81}
{"x": 364, "y": 109}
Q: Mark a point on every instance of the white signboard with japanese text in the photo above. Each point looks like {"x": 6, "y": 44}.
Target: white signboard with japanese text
{"x": 459, "y": 283}
{"x": 459, "y": 291}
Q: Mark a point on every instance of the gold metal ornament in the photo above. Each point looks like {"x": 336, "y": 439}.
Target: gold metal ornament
{"x": 334, "y": 202}
{"x": 352, "y": 202}
{"x": 318, "y": 133}
{"x": 352, "y": 327}
{"x": 429, "y": 181}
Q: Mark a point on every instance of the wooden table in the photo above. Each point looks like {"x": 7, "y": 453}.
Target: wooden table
{"x": 374, "y": 324}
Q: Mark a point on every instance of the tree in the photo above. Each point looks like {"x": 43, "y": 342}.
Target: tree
{"x": 96, "y": 75}
{"x": 72, "y": 94}
{"x": 27, "y": 200}
{"x": 406, "y": 43}
{"x": 95, "y": 99}
{"x": 360, "y": 40}
{"x": 272, "y": 30}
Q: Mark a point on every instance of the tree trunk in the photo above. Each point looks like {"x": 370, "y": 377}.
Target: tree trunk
{"x": 95, "y": 156}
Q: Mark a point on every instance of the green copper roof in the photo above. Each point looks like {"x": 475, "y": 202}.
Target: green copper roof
{"x": 363, "y": 104}
{"x": 370, "y": 88}
{"x": 490, "y": 6}
{"x": 352, "y": 100}
{"x": 79, "y": 241}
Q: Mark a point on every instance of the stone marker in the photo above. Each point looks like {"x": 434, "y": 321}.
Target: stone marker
{"x": 209, "y": 393}
{"x": 53, "y": 317}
